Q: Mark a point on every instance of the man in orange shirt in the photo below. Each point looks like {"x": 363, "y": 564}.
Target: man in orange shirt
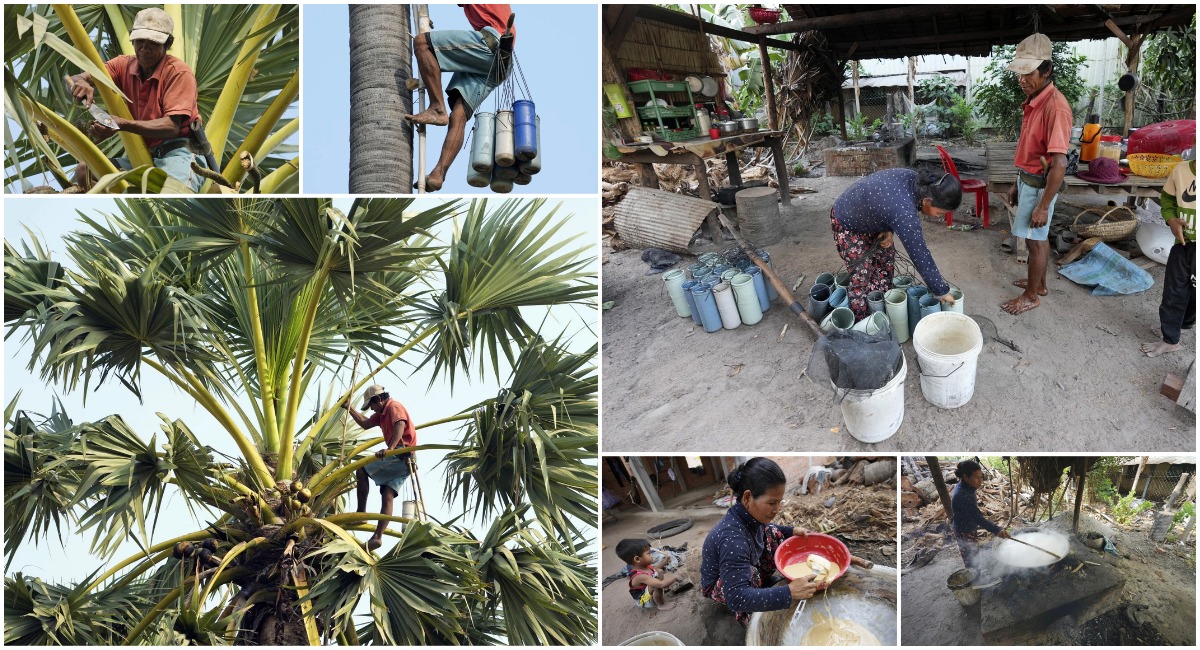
{"x": 389, "y": 472}
{"x": 479, "y": 61}
{"x": 1045, "y": 136}
{"x": 162, "y": 99}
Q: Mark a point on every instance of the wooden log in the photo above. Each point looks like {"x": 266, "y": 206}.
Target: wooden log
{"x": 1172, "y": 387}
{"x": 1081, "y": 468}
{"x": 1141, "y": 466}
{"x": 769, "y": 84}
{"x": 1183, "y": 481}
{"x": 1187, "y": 395}
{"x": 1132, "y": 61}
{"x": 940, "y": 483}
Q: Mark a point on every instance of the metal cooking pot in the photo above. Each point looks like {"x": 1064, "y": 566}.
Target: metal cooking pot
{"x": 748, "y": 124}
{"x": 728, "y": 128}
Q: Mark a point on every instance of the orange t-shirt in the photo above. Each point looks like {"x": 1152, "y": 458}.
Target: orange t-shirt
{"x": 1045, "y": 128}
{"x": 170, "y": 90}
{"x": 393, "y": 412}
{"x": 494, "y": 16}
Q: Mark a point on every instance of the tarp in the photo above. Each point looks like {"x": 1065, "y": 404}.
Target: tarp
{"x": 1108, "y": 273}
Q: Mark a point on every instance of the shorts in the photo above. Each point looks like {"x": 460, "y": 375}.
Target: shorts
{"x": 1027, "y": 200}
{"x": 474, "y": 59}
{"x": 178, "y": 165}
{"x": 646, "y": 600}
{"x": 392, "y": 471}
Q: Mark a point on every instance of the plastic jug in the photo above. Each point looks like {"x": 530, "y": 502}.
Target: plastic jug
{"x": 1089, "y": 142}
{"x": 1110, "y": 147}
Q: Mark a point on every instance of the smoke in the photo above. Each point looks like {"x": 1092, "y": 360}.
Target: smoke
{"x": 1001, "y": 558}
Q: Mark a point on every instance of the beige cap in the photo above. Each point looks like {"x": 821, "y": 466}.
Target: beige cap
{"x": 1031, "y": 52}
{"x": 152, "y": 25}
{"x": 371, "y": 392}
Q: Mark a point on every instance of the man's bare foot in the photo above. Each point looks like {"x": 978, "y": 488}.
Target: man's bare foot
{"x": 667, "y": 606}
{"x": 430, "y": 116}
{"x": 374, "y": 543}
{"x": 433, "y": 181}
{"x": 1020, "y": 305}
{"x": 1025, "y": 283}
{"x": 1159, "y": 348}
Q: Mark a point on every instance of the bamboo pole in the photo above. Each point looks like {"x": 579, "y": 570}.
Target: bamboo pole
{"x": 423, "y": 27}
{"x": 773, "y": 122}
{"x": 1081, "y": 467}
{"x": 940, "y": 483}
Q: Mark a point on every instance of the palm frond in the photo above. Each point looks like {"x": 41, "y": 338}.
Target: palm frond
{"x": 38, "y": 491}
{"x": 41, "y": 613}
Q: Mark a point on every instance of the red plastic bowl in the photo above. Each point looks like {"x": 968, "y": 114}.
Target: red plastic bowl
{"x": 797, "y": 549}
{"x": 764, "y": 16}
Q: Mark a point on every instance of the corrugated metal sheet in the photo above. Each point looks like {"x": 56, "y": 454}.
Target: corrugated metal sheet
{"x": 648, "y": 218}
{"x": 1163, "y": 460}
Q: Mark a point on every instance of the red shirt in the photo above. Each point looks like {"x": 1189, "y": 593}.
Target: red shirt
{"x": 494, "y": 16}
{"x": 1045, "y": 128}
{"x": 170, "y": 90}
{"x": 393, "y": 412}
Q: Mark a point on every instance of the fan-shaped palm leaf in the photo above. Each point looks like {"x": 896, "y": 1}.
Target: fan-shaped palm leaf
{"x": 38, "y": 493}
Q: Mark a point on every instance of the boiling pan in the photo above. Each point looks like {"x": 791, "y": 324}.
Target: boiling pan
{"x": 797, "y": 549}
{"x": 1015, "y": 554}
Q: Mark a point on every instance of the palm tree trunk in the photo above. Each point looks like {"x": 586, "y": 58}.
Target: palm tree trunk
{"x": 380, "y": 63}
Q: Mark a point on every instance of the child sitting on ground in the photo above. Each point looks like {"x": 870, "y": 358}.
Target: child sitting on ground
{"x": 645, "y": 581}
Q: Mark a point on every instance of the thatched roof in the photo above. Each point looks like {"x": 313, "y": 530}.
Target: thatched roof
{"x": 658, "y": 46}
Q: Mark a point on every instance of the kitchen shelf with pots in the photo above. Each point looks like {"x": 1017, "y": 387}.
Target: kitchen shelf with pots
{"x": 671, "y": 123}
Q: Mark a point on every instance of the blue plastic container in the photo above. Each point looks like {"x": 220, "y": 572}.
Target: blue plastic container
{"x": 930, "y": 305}
{"x": 483, "y": 143}
{"x": 914, "y": 305}
{"x": 525, "y": 144}
{"x": 839, "y": 298}
{"x": 760, "y": 287}
{"x": 534, "y": 166}
{"x": 818, "y": 301}
{"x": 691, "y": 301}
{"x": 772, "y": 294}
{"x": 505, "y": 173}
{"x": 710, "y": 318}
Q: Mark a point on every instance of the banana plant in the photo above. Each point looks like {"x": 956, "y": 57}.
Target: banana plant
{"x": 245, "y": 61}
{"x": 252, "y": 307}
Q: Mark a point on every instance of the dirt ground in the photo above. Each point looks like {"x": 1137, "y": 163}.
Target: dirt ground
{"x": 1161, "y": 576}
{"x": 1078, "y": 382}
{"x": 697, "y": 620}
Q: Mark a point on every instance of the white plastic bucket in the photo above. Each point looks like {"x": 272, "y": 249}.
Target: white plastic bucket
{"x": 653, "y": 638}
{"x": 948, "y": 346}
{"x": 876, "y": 415}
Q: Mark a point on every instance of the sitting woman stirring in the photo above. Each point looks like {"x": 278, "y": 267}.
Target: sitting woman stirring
{"x": 967, "y": 517}
{"x": 865, "y": 217}
{"x": 738, "y": 557}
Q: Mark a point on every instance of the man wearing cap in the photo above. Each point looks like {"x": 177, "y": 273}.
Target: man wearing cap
{"x": 162, "y": 99}
{"x": 479, "y": 60}
{"x": 1045, "y": 138}
{"x": 390, "y": 472}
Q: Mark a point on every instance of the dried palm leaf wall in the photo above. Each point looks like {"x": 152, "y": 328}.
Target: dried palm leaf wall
{"x": 659, "y": 46}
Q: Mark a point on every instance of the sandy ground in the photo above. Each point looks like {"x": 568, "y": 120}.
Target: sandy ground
{"x": 1078, "y": 382}
{"x": 1160, "y": 576}
{"x": 695, "y": 620}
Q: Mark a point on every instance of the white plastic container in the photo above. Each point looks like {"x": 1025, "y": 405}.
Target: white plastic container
{"x": 674, "y": 282}
{"x": 504, "y": 139}
{"x": 482, "y": 142}
{"x": 727, "y": 306}
{"x": 653, "y": 638}
{"x": 876, "y": 415}
{"x": 948, "y": 346}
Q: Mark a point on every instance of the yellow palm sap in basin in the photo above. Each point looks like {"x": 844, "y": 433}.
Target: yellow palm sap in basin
{"x": 823, "y": 569}
{"x": 842, "y": 619}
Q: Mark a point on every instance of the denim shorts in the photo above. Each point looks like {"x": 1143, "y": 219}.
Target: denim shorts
{"x": 1027, "y": 200}
{"x": 474, "y": 59}
{"x": 392, "y": 471}
{"x": 178, "y": 165}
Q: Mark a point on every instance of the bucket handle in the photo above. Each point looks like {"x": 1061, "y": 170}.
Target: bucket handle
{"x": 922, "y": 372}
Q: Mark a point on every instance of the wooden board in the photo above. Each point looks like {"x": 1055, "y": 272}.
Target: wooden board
{"x": 1187, "y": 395}
{"x": 648, "y": 218}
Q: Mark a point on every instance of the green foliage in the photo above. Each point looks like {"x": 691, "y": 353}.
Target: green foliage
{"x": 939, "y": 90}
{"x": 822, "y": 124}
{"x": 999, "y": 97}
{"x": 858, "y": 128}
{"x": 1169, "y": 67}
{"x": 1104, "y": 489}
{"x": 962, "y": 120}
{"x": 1188, "y": 509}
{"x": 1124, "y": 511}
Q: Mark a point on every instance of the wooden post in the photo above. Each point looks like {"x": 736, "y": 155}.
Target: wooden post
{"x": 1183, "y": 481}
{"x": 1185, "y": 538}
{"x": 773, "y": 121}
{"x": 857, "y": 102}
{"x": 841, "y": 104}
{"x": 637, "y": 467}
{"x": 936, "y": 472}
{"x": 1141, "y": 466}
{"x": 678, "y": 475}
{"x": 1081, "y": 466}
{"x": 1131, "y": 63}
{"x": 912, "y": 98}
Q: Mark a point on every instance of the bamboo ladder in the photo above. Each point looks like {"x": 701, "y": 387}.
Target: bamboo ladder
{"x": 424, "y": 25}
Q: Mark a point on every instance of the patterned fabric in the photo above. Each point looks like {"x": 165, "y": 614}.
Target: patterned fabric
{"x": 968, "y": 546}
{"x": 738, "y": 560}
{"x": 871, "y": 267}
{"x": 1108, "y": 272}
{"x": 967, "y": 517}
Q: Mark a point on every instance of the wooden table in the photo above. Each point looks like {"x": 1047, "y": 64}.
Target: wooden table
{"x": 693, "y": 152}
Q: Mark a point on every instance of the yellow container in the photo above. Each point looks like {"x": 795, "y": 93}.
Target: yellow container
{"x": 616, "y": 97}
{"x": 1111, "y": 148}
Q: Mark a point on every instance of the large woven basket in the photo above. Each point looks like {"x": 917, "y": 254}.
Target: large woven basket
{"x": 1153, "y": 165}
{"x": 1114, "y": 223}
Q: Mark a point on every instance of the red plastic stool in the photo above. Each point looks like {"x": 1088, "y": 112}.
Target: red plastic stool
{"x": 972, "y": 185}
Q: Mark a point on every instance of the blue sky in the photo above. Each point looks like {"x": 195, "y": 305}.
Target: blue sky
{"x": 51, "y": 218}
{"x": 558, "y": 50}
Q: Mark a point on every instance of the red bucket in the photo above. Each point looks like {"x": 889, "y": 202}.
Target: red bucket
{"x": 797, "y": 549}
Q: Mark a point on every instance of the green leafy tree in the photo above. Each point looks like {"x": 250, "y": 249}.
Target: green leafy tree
{"x": 247, "y": 306}
{"x": 1169, "y": 67}
{"x": 245, "y": 61}
{"x": 998, "y": 97}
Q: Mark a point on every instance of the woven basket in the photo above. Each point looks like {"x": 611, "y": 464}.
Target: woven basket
{"x": 1115, "y": 223}
{"x": 1153, "y": 165}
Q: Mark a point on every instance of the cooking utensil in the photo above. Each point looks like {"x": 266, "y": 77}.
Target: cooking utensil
{"x": 748, "y": 124}
{"x": 728, "y": 128}
{"x": 695, "y": 83}
{"x": 97, "y": 113}
{"x": 708, "y": 87}
{"x": 1056, "y": 556}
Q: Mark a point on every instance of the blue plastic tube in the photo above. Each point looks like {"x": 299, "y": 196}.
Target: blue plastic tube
{"x": 525, "y": 143}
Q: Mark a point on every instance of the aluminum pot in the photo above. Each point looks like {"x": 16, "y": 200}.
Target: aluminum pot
{"x": 748, "y": 124}
{"x": 728, "y": 128}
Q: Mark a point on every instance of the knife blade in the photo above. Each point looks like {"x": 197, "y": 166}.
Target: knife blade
{"x": 98, "y": 114}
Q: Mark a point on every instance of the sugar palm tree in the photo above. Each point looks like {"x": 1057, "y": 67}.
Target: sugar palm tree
{"x": 245, "y": 58}
{"x": 380, "y": 62}
{"x": 247, "y": 305}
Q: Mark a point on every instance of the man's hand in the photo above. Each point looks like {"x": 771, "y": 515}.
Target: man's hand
{"x": 381, "y": 453}
{"x": 345, "y": 404}
{"x": 884, "y": 239}
{"x": 82, "y": 91}
{"x": 1012, "y": 195}
{"x": 101, "y": 132}
{"x": 803, "y": 588}
{"x": 1176, "y": 225}
{"x": 1040, "y": 217}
